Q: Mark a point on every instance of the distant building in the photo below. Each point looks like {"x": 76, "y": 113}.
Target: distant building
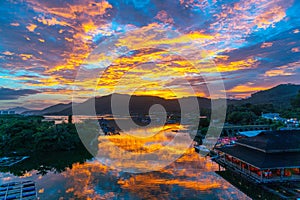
{"x": 272, "y": 116}
{"x": 271, "y": 156}
{"x": 5, "y": 112}
{"x": 292, "y": 123}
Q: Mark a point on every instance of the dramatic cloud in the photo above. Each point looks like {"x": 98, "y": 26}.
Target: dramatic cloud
{"x": 255, "y": 44}
{"x": 12, "y": 94}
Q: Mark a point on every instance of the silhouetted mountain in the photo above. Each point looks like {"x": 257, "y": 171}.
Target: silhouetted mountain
{"x": 279, "y": 96}
{"x": 49, "y": 110}
{"x": 137, "y": 105}
{"x": 18, "y": 110}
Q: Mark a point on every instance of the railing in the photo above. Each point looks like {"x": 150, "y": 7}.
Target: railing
{"x": 252, "y": 175}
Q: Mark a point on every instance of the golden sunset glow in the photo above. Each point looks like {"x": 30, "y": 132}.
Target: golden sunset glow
{"x": 52, "y": 42}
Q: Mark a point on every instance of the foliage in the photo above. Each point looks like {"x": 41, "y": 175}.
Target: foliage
{"x": 277, "y": 125}
{"x": 242, "y": 118}
{"x": 295, "y": 102}
{"x": 290, "y": 113}
{"x": 26, "y": 133}
{"x": 257, "y": 109}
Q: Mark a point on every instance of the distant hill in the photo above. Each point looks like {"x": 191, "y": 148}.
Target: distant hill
{"x": 49, "y": 110}
{"x": 137, "y": 104}
{"x": 279, "y": 96}
{"x": 18, "y": 110}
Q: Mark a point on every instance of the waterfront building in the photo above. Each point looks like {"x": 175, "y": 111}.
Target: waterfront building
{"x": 271, "y": 156}
{"x": 271, "y": 116}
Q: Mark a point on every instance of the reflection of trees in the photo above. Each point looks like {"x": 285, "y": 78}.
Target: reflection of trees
{"x": 46, "y": 162}
{"x": 89, "y": 132}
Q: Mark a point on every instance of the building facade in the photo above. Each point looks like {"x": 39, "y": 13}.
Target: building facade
{"x": 271, "y": 156}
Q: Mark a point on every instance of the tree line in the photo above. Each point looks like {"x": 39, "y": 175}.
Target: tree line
{"x": 30, "y": 133}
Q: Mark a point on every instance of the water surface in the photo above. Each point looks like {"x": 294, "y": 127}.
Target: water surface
{"x": 78, "y": 175}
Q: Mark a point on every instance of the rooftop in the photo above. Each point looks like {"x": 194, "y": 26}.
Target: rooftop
{"x": 273, "y": 141}
{"x": 269, "y": 149}
{"x": 262, "y": 160}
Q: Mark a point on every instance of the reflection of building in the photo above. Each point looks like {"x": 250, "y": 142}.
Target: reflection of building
{"x": 268, "y": 157}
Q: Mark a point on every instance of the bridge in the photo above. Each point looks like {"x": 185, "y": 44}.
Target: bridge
{"x": 233, "y": 130}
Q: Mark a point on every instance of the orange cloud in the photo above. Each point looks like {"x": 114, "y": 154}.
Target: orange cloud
{"x": 277, "y": 72}
{"x": 247, "y": 88}
{"x": 249, "y": 63}
{"x": 127, "y": 74}
{"x": 25, "y": 56}
{"x": 287, "y": 70}
{"x": 88, "y": 14}
{"x": 84, "y": 20}
{"x": 152, "y": 36}
{"x": 31, "y": 27}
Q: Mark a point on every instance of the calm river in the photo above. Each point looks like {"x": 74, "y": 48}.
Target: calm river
{"x": 77, "y": 175}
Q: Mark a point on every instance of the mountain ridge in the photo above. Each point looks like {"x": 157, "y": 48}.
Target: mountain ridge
{"x": 279, "y": 95}
{"x": 18, "y": 109}
{"x": 48, "y": 110}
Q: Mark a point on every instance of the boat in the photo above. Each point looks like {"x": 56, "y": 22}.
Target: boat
{"x": 201, "y": 149}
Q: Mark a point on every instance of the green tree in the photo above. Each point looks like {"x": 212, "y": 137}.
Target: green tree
{"x": 295, "y": 102}
{"x": 70, "y": 119}
{"x": 25, "y": 134}
{"x": 241, "y": 118}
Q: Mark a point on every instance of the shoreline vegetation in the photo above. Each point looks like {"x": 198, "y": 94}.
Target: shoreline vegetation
{"x": 28, "y": 134}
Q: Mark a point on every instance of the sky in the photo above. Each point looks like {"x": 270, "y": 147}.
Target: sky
{"x": 55, "y": 51}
